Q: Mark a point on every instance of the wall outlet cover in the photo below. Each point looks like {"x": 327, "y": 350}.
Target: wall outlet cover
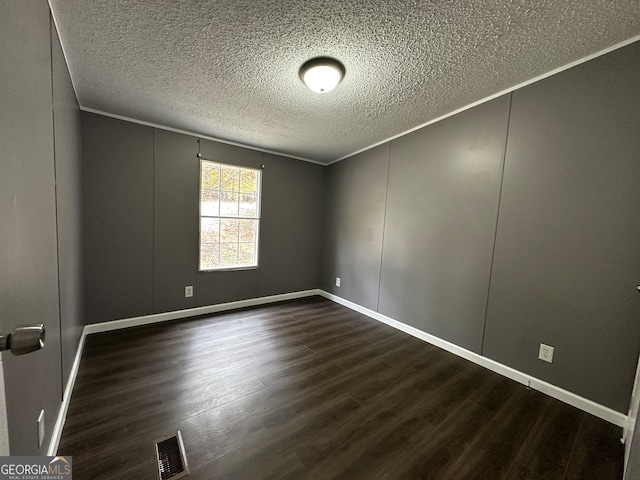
{"x": 188, "y": 291}
{"x": 337, "y": 281}
{"x": 546, "y": 353}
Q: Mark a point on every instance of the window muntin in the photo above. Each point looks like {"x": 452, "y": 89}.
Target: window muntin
{"x": 229, "y": 216}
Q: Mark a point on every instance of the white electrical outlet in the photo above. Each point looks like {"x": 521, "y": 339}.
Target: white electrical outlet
{"x": 337, "y": 281}
{"x": 546, "y": 353}
{"x": 188, "y": 291}
{"x": 41, "y": 430}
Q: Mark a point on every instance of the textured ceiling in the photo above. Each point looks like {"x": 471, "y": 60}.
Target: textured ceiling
{"x": 229, "y": 69}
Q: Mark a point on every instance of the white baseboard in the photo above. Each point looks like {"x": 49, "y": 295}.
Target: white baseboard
{"x": 193, "y": 312}
{"x": 146, "y": 320}
{"x": 66, "y": 398}
{"x": 558, "y": 393}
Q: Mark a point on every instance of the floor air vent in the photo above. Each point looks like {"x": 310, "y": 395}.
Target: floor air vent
{"x": 172, "y": 462}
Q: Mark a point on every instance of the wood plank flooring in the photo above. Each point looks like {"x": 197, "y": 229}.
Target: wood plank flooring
{"x": 310, "y": 390}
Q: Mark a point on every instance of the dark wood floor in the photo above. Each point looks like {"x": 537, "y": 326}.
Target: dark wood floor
{"x": 311, "y": 390}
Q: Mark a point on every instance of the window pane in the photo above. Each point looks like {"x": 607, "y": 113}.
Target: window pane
{"x": 228, "y": 230}
{"x": 209, "y": 230}
{"x": 210, "y": 173}
{"x": 209, "y": 203}
{"x": 249, "y": 181}
{"x": 209, "y": 256}
{"x": 230, "y": 178}
{"x": 229, "y": 211}
{"x": 228, "y": 254}
{"x": 229, "y": 204}
{"x": 248, "y": 205}
{"x": 246, "y": 253}
{"x": 247, "y": 230}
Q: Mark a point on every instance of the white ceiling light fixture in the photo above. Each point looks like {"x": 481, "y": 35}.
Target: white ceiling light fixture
{"x": 322, "y": 74}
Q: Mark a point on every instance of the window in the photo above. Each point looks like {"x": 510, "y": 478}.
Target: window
{"x": 229, "y": 216}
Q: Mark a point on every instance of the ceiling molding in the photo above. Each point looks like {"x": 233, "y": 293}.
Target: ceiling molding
{"x": 496, "y": 95}
{"x": 197, "y": 135}
{"x": 64, "y": 52}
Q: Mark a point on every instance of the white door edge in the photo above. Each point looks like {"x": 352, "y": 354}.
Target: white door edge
{"x": 4, "y": 427}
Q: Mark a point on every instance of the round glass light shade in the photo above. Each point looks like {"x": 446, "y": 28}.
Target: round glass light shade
{"x": 322, "y": 75}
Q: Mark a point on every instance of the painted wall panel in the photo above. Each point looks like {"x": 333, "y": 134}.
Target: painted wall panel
{"x": 226, "y": 286}
{"x": 28, "y": 257}
{"x": 355, "y": 197}
{"x": 290, "y": 225}
{"x": 141, "y": 194}
{"x": 224, "y": 153}
{"x": 175, "y": 225}
{"x": 68, "y": 164}
{"x": 444, "y": 186}
{"x": 117, "y": 185}
{"x": 567, "y": 260}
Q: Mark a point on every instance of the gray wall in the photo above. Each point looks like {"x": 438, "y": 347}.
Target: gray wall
{"x": 37, "y": 187}
{"x": 567, "y": 252}
{"x": 117, "y": 192}
{"x": 175, "y": 219}
{"x": 141, "y": 222}
{"x": 356, "y": 199}
{"x": 566, "y": 260}
{"x": 67, "y": 145}
{"x": 632, "y": 471}
{"x": 291, "y": 225}
{"x": 432, "y": 195}
{"x": 444, "y": 184}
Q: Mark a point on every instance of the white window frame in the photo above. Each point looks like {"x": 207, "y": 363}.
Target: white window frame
{"x": 219, "y": 217}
